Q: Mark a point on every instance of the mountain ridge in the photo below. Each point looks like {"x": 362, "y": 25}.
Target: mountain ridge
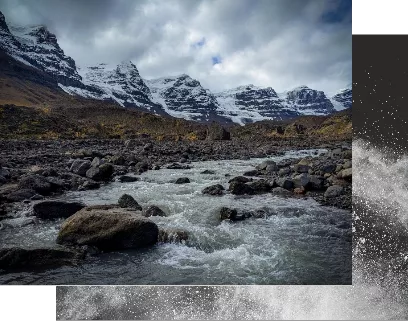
{"x": 178, "y": 96}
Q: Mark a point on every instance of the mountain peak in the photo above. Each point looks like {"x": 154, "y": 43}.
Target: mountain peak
{"x": 3, "y": 24}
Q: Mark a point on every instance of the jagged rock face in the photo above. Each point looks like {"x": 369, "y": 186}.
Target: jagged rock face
{"x": 179, "y": 96}
{"x": 37, "y": 47}
{"x": 309, "y": 101}
{"x": 182, "y": 96}
{"x": 123, "y": 84}
{"x": 343, "y": 99}
{"x": 247, "y": 104}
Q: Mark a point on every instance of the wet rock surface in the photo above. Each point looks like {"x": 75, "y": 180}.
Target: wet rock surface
{"x": 108, "y": 229}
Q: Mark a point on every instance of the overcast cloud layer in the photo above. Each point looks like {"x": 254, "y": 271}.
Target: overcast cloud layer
{"x": 222, "y": 43}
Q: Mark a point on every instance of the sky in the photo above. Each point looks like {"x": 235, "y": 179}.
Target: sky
{"x": 380, "y": 96}
{"x": 221, "y": 43}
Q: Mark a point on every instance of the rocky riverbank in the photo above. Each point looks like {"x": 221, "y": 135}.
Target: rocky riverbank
{"x": 33, "y": 171}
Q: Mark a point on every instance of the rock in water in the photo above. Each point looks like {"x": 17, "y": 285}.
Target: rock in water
{"x": 128, "y": 179}
{"x": 153, "y": 210}
{"x": 228, "y": 214}
{"x": 214, "y": 190}
{"x": 260, "y": 186}
{"x": 182, "y": 180}
{"x": 281, "y": 191}
{"x": 208, "y": 171}
{"x": 109, "y": 230}
{"x": 56, "y": 209}
{"x": 238, "y": 188}
{"x": 19, "y": 258}
{"x": 127, "y": 201}
{"x": 241, "y": 179}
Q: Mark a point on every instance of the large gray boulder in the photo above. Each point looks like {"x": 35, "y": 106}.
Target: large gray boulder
{"x": 333, "y": 191}
{"x": 80, "y": 167}
{"x": 108, "y": 229}
{"x": 238, "y": 188}
{"x": 217, "y": 189}
{"x": 102, "y": 173}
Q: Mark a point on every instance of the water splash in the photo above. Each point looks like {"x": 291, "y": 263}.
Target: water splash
{"x": 379, "y": 289}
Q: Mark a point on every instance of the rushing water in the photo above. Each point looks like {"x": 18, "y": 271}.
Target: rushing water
{"x": 299, "y": 242}
{"x": 379, "y": 291}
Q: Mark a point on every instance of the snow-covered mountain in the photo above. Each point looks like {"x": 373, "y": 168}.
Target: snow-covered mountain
{"x": 308, "y": 101}
{"x": 37, "y": 47}
{"x": 178, "y": 96}
{"x": 183, "y": 96}
{"x": 121, "y": 84}
{"x": 250, "y": 103}
{"x": 343, "y": 99}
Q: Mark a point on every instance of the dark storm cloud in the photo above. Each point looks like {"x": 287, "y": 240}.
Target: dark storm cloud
{"x": 281, "y": 44}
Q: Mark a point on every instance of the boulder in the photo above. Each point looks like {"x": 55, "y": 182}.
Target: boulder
{"x": 178, "y": 166}
{"x": 127, "y": 201}
{"x": 333, "y": 191}
{"x": 254, "y": 172}
{"x": 56, "y": 209}
{"x": 261, "y": 186}
{"x": 281, "y": 191}
{"x": 97, "y": 162}
{"x": 207, "y": 171}
{"x": 117, "y": 160}
{"x": 141, "y": 167}
{"x": 228, "y": 214}
{"x": 302, "y": 180}
{"x": 80, "y": 167}
{"x": 128, "y": 179}
{"x": 182, "y": 180}
{"x": 329, "y": 168}
{"x": 108, "y": 229}
{"x": 172, "y": 236}
{"x": 238, "y": 188}
{"x": 316, "y": 183}
{"x": 347, "y": 154}
{"x": 153, "y": 210}
{"x": 240, "y": 179}
{"x": 101, "y": 173}
{"x": 89, "y": 184}
{"x": 285, "y": 183}
{"x": 37, "y": 183}
{"x": 20, "y": 258}
{"x": 264, "y": 165}
{"x": 299, "y": 168}
{"x": 217, "y": 189}
{"x": 285, "y": 171}
{"x": 346, "y": 174}
{"x": 335, "y": 152}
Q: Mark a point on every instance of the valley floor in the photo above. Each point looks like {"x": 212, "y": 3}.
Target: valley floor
{"x": 256, "y": 186}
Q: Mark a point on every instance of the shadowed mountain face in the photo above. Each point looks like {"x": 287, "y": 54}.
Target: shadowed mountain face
{"x": 178, "y": 96}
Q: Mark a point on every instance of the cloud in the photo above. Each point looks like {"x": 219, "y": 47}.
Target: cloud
{"x": 222, "y": 43}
